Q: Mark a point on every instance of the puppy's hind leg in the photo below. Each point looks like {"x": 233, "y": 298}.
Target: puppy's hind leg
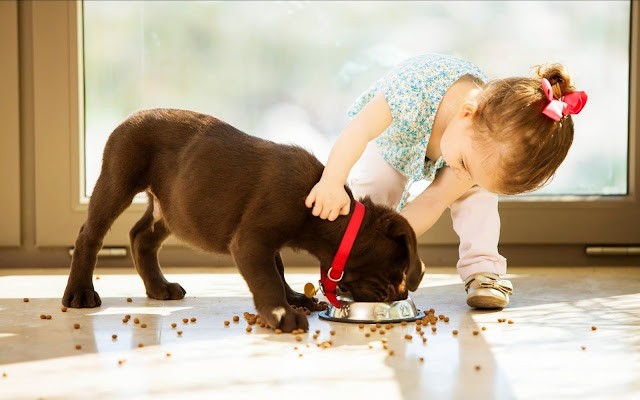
{"x": 146, "y": 238}
{"x": 109, "y": 199}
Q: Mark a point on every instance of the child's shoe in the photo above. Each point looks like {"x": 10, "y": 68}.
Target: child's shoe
{"x": 486, "y": 291}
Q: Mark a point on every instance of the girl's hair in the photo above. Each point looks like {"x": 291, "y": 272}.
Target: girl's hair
{"x": 530, "y": 146}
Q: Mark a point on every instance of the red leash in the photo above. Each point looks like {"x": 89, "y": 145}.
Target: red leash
{"x": 329, "y": 279}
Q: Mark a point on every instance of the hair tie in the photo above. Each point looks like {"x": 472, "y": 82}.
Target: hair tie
{"x": 569, "y": 104}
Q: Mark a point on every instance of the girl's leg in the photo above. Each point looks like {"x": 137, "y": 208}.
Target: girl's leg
{"x": 373, "y": 176}
{"x": 477, "y": 223}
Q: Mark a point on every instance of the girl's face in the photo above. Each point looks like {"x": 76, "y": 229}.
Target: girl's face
{"x": 468, "y": 161}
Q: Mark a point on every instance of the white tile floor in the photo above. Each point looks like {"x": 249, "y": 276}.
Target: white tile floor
{"x": 549, "y": 352}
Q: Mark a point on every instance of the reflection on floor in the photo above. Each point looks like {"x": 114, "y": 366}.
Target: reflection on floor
{"x": 575, "y": 335}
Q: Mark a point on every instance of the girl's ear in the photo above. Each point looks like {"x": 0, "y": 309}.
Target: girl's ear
{"x": 468, "y": 109}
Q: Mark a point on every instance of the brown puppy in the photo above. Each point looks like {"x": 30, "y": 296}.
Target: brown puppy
{"x": 224, "y": 191}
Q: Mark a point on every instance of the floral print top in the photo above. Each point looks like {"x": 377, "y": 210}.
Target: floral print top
{"x": 413, "y": 90}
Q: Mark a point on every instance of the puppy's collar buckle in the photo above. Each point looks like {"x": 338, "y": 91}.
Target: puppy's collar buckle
{"x": 327, "y": 282}
{"x": 332, "y": 278}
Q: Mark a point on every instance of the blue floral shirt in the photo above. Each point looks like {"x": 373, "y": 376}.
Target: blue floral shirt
{"x": 413, "y": 90}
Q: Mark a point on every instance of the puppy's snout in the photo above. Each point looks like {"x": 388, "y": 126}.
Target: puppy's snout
{"x": 396, "y": 293}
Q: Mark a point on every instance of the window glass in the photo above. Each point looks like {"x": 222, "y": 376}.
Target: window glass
{"x": 288, "y": 71}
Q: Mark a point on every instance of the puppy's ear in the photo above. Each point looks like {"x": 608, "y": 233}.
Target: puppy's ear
{"x": 399, "y": 229}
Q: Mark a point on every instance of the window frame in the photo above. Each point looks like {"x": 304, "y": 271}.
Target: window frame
{"x": 57, "y": 73}
{"x": 10, "y": 229}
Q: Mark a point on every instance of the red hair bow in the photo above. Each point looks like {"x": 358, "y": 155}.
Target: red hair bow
{"x": 569, "y": 104}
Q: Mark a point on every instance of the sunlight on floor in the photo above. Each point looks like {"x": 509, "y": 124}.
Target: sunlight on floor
{"x": 548, "y": 351}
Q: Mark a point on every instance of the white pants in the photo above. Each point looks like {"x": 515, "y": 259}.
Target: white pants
{"x": 475, "y": 214}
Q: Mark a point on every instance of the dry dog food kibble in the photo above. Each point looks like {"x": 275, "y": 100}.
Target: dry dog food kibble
{"x": 193, "y": 319}
{"x": 129, "y": 299}
{"x": 76, "y": 326}
{"x": 248, "y": 329}
{"x": 226, "y": 323}
{"x": 434, "y": 329}
{"x": 509, "y": 322}
{"x": 143, "y": 325}
{"x": 593, "y": 328}
{"x": 332, "y": 332}
{"x": 114, "y": 336}
{"x": 26, "y": 300}
{"x": 278, "y": 331}
{"x": 455, "y": 332}
{"x": 173, "y": 324}
{"x": 48, "y": 317}
{"x": 484, "y": 328}
{"x": 140, "y": 345}
{"x": 42, "y": 316}
{"x": 78, "y": 347}
{"x": 475, "y": 333}
{"x": 185, "y": 320}
{"x": 136, "y": 321}
{"x": 236, "y": 318}
{"x": 168, "y": 354}
{"x": 63, "y": 309}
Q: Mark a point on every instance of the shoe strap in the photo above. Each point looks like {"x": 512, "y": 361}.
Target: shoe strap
{"x": 489, "y": 281}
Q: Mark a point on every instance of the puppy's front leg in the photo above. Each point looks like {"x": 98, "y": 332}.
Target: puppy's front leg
{"x": 294, "y": 298}
{"x": 255, "y": 260}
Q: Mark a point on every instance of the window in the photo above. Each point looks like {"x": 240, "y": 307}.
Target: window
{"x": 288, "y": 71}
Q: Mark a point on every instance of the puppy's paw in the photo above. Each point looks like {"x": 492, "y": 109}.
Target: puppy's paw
{"x": 284, "y": 318}
{"x": 167, "y": 291}
{"x": 81, "y": 298}
{"x": 300, "y": 300}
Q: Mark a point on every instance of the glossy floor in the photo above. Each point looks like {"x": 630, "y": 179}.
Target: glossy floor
{"x": 550, "y": 351}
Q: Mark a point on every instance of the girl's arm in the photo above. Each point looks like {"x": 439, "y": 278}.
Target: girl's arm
{"x": 328, "y": 197}
{"x": 427, "y": 207}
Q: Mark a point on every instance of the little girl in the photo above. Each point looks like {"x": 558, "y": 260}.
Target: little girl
{"x": 436, "y": 117}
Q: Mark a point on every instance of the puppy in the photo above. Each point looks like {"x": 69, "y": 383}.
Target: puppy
{"x": 221, "y": 190}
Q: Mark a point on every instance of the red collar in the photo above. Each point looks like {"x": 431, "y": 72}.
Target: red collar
{"x": 329, "y": 279}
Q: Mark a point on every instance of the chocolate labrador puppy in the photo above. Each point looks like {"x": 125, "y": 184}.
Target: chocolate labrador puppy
{"x": 223, "y": 191}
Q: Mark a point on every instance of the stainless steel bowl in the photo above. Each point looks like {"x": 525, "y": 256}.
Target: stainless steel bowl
{"x": 372, "y": 312}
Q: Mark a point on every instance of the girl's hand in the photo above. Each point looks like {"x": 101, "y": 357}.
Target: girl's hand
{"x": 328, "y": 200}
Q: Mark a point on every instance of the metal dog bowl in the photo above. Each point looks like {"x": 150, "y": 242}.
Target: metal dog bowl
{"x": 372, "y": 312}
